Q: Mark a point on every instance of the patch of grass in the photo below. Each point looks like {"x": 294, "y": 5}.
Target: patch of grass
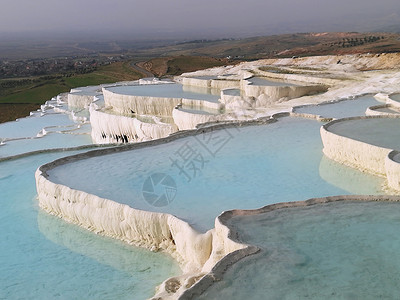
{"x": 44, "y": 88}
{"x": 120, "y": 71}
{"x": 10, "y": 112}
{"x": 38, "y": 94}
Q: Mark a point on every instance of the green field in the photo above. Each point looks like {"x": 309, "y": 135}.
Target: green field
{"x": 21, "y": 95}
{"x": 38, "y": 90}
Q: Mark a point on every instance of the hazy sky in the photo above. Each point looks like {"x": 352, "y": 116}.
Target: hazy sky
{"x": 202, "y": 16}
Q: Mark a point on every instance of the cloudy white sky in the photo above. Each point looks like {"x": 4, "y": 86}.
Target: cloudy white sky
{"x": 202, "y": 16}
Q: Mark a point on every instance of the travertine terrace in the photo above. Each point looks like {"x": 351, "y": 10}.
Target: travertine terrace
{"x": 130, "y": 119}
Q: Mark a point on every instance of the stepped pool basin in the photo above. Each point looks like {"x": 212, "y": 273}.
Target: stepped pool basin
{"x": 203, "y": 111}
{"x": 256, "y": 166}
{"x": 342, "y": 109}
{"x": 395, "y": 97}
{"x": 31, "y": 126}
{"x": 52, "y": 127}
{"x": 43, "y": 257}
{"x": 313, "y": 249}
{"x": 382, "y": 132}
{"x": 268, "y": 82}
{"x": 339, "y": 250}
{"x": 166, "y": 90}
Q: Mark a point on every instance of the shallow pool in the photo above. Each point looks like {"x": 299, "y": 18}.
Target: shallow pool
{"x": 341, "y": 250}
{"x": 243, "y": 167}
{"x": 170, "y": 90}
{"x": 268, "y": 82}
{"x": 49, "y": 141}
{"x": 342, "y": 109}
{"x": 42, "y": 257}
{"x": 382, "y": 132}
{"x": 31, "y": 126}
{"x": 202, "y": 111}
{"x": 395, "y": 97}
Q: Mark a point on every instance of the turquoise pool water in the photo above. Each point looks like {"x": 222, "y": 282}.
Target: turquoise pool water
{"x": 50, "y": 141}
{"x": 268, "y": 82}
{"x": 202, "y": 111}
{"x": 342, "y": 109}
{"x": 233, "y": 92}
{"x": 245, "y": 167}
{"x": 31, "y": 126}
{"x": 343, "y": 250}
{"x": 395, "y": 97}
{"x": 45, "y": 129}
{"x": 42, "y": 257}
{"x": 169, "y": 90}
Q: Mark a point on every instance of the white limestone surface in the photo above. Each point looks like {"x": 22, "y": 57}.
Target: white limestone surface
{"x": 199, "y": 253}
{"x": 299, "y": 78}
{"x": 196, "y": 252}
{"x": 111, "y": 128}
{"x": 200, "y": 104}
{"x": 382, "y": 110}
{"x": 392, "y": 166}
{"x": 143, "y": 105}
{"x": 393, "y": 102}
{"x": 210, "y": 83}
{"x": 205, "y": 83}
{"x": 78, "y": 100}
{"x": 351, "y": 152}
{"x": 361, "y": 155}
{"x": 186, "y": 120}
{"x": 274, "y": 93}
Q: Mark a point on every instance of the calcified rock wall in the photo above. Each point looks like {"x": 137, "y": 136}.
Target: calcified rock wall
{"x": 205, "y": 83}
{"x": 377, "y": 160}
{"x": 146, "y": 229}
{"x": 392, "y": 166}
{"x": 298, "y": 78}
{"x": 225, "y": 84}
{"x": 273, "y": 93}
{"x": 382, "y": 97}
{"x": 211, "y": 83}
{"x": 234, "y": 102}
{"x": 352, "y": 152}
{"x": 200, "y": 104}
{"x": 391, "y": 104}
{"x": 374, "y": 110}
{"x": 108, "y": 128}
{"x": 217, "y": 273}
{"x": 185, "y": 120}
{"x": 127, "y": 104}
{"x": 79, "y": 101}
{"x": 196, "y": 252}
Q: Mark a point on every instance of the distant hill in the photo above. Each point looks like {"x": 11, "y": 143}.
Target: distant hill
{"x": 277, "y": 46}
{"x": 286, "y": 45}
